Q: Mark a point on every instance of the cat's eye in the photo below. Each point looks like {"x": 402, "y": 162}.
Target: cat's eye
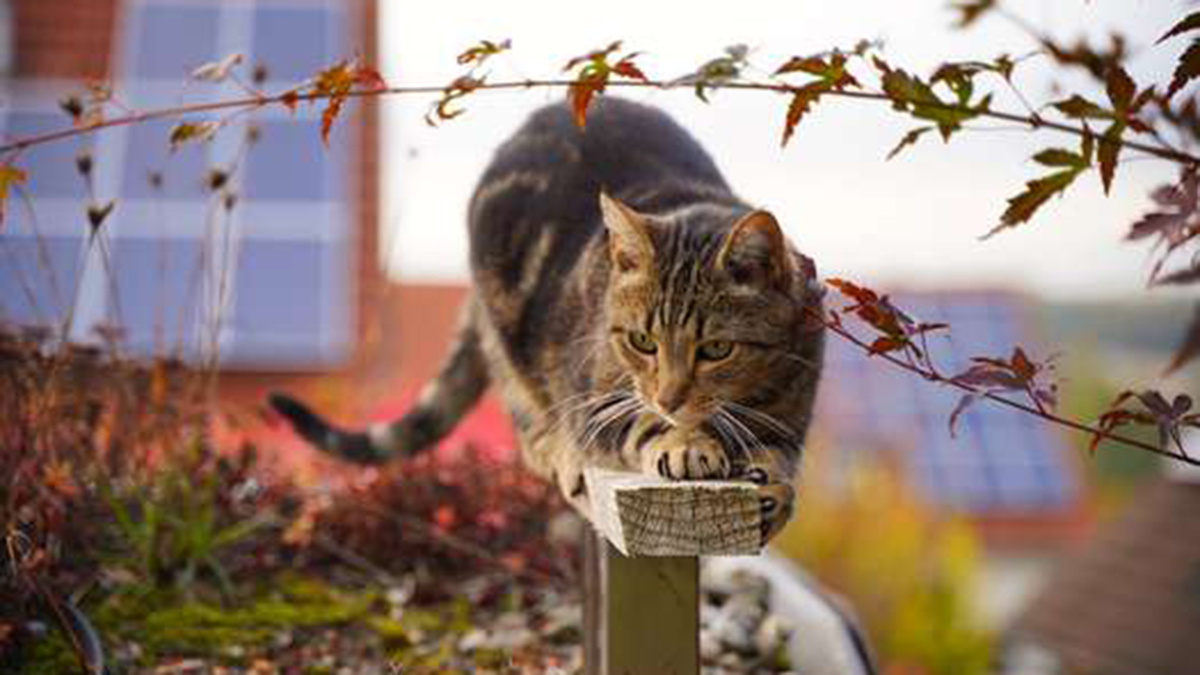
{"x": 642, "y": 342}
{"x": 715, "y": 350}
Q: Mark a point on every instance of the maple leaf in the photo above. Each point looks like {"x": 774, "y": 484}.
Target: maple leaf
{"x": 1078, "y": 107}
{"x": 1168, "y": 417}
{"x": 441, "y": 109}
{"x": 897, "y": 330}
{"x": 9, "y": 176}
{"x": 911, "y": 94}
{"x": 592, "y": 78}
{"x": 908, "y": 139}
{"x": 336, "y": 83}
{"x": 1175, "y": 223}
{"x": 1188, "y": 67}
{"x": 217, "y": 71}
{"x": 186, "y": 132}
{"x": 716, "y": 71}
{"x": 1037, "y": 192}
{"x": 970, "y": 11}
{"x": 481, "y": 52}
{"x": 1016, "y": 374}
{"x": 802, "y": 101}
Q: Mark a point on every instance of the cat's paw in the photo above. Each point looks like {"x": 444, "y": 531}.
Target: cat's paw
{"x": 776, "y": 498}
{"x": 681, "y": 456}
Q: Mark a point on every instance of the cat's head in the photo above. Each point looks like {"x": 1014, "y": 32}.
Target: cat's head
{"x": 706, "y": 308}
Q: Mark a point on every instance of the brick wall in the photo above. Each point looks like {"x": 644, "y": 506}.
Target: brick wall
{"x": 63, "y": 38}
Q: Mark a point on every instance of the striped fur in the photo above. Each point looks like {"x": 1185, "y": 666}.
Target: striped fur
{"x": 579, "y": 241}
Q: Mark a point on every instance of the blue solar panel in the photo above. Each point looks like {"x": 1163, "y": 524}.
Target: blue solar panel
{"x": 37, "y": 282}
{"x": 147, "y": 151}
{"x": 296, "y": 42}
{"x": 174, "y": 39}
{"x": 1001, "y": 460}
{"x": 159, "y": 285}
{"x": 289, "y": 162}
{"x": 50, "y": 167}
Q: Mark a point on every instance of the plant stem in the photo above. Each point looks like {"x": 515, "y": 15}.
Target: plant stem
{"x": 252, "y": 102}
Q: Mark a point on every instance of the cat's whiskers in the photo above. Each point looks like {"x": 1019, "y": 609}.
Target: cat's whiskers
{"x": 566, "y": 409}
{"x": 729, "y": 432}
{"x": 755, "y": 446}
{"x": 762, "y": 417}
{"x": 607, "y": 418}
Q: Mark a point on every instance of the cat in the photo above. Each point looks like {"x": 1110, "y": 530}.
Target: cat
{"x": 632, "y": 312}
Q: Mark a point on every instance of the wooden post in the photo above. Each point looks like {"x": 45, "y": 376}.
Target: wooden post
{"x": 641, "y": 567}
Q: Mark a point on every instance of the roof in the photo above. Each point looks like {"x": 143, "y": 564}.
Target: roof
{"x": 1128, "y": 602}
{"x": 1001, "y": 463}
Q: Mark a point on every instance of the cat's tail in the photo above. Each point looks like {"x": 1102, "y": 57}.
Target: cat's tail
{"x": 442, "y": 403}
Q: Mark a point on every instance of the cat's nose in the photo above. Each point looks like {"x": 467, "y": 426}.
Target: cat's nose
{"x": 671, "y": 397}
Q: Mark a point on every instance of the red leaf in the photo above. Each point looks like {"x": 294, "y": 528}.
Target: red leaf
{"x": 1187, "y": 69}
{"x": 802, "y": 101}
{"x": 1107, "y": 153}
{"x": 1188, "y": 23}
{"x": 1037, "y": 192}
{"x": 579, "y": 96}
{"x": 883, "y": 345}
{"x": 963, "y": 403}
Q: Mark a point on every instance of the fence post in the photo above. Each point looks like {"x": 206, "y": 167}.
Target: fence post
{"x": 641, "y": 566}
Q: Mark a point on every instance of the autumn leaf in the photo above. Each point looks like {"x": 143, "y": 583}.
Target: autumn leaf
{"x": 1061, "y": 157}
{"x": 1016, "y": 374}
{"x": 1175, "y": 223}
{"x": 1187, "y": 69}
{"x": 911, "y": 94}
{"x": 1037, "y": 192}
{"x": 802, "y": 101}
{"x": 217, "y": 71}
{"x": 336, "y": 83}
{"x": 896, "y": 329}
{"x": 441, "y": 109}
{"x": 186, "y": 132}
{"x": 970, "y": 11}
{"x": 1188, "y": 23}
{"x": 9, "y": 176}
{"x": 716, "y": 71}
{"x": 1107, "y": 152}
{"x": 1152, "y": 409}
{"x": 1080, "y": 108}
{"x": 909, "y": 139}
{"x": 478, "y": 54}
{"x": 593, "y": 76}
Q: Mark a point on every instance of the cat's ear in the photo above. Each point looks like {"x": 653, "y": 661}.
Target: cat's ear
{"x": 754, "y": 251}
{"x": 629, "y": 244}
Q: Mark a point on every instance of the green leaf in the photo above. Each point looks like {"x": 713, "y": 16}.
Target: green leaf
{"x": 909, "y": 138}
{"x": 185, "y": 132}
{"x": 1037, "y": 192}
{"x": 1188, "y": 23}
{"x": 1060, "y": 157}
{"x": 1078, "y": 107}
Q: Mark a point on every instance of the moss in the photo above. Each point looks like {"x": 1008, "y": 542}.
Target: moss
{"x": 50, "y": 656}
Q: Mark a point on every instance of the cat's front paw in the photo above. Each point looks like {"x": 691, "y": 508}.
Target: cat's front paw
{"x": 686, "y": 456}
{"x": 776, "y": 498}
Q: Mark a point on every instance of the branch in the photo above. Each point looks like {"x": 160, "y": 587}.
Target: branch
{"x": 290, "y": 98}
{"x": 1037, "y": 411}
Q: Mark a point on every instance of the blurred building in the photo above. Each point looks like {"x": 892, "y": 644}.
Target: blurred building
{"x": 1127, "y": 602}
{"x": 284, "y": 283}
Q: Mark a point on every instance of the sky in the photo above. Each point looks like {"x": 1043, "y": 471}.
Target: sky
{"x": 913, "y": 222}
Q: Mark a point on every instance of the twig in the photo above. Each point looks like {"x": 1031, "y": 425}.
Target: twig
{"x": 290, "y": 97}
{"x": 933, "y": 376}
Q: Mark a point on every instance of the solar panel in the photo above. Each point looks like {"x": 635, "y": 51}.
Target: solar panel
{"x": 1001, "y": 460}
{"x": 282, "y": 257}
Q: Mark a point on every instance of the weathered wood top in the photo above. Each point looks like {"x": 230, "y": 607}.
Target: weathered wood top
{"x": 650, "y": 516}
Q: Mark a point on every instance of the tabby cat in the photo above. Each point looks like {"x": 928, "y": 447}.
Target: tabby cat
{"x": 632, "y": 311}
